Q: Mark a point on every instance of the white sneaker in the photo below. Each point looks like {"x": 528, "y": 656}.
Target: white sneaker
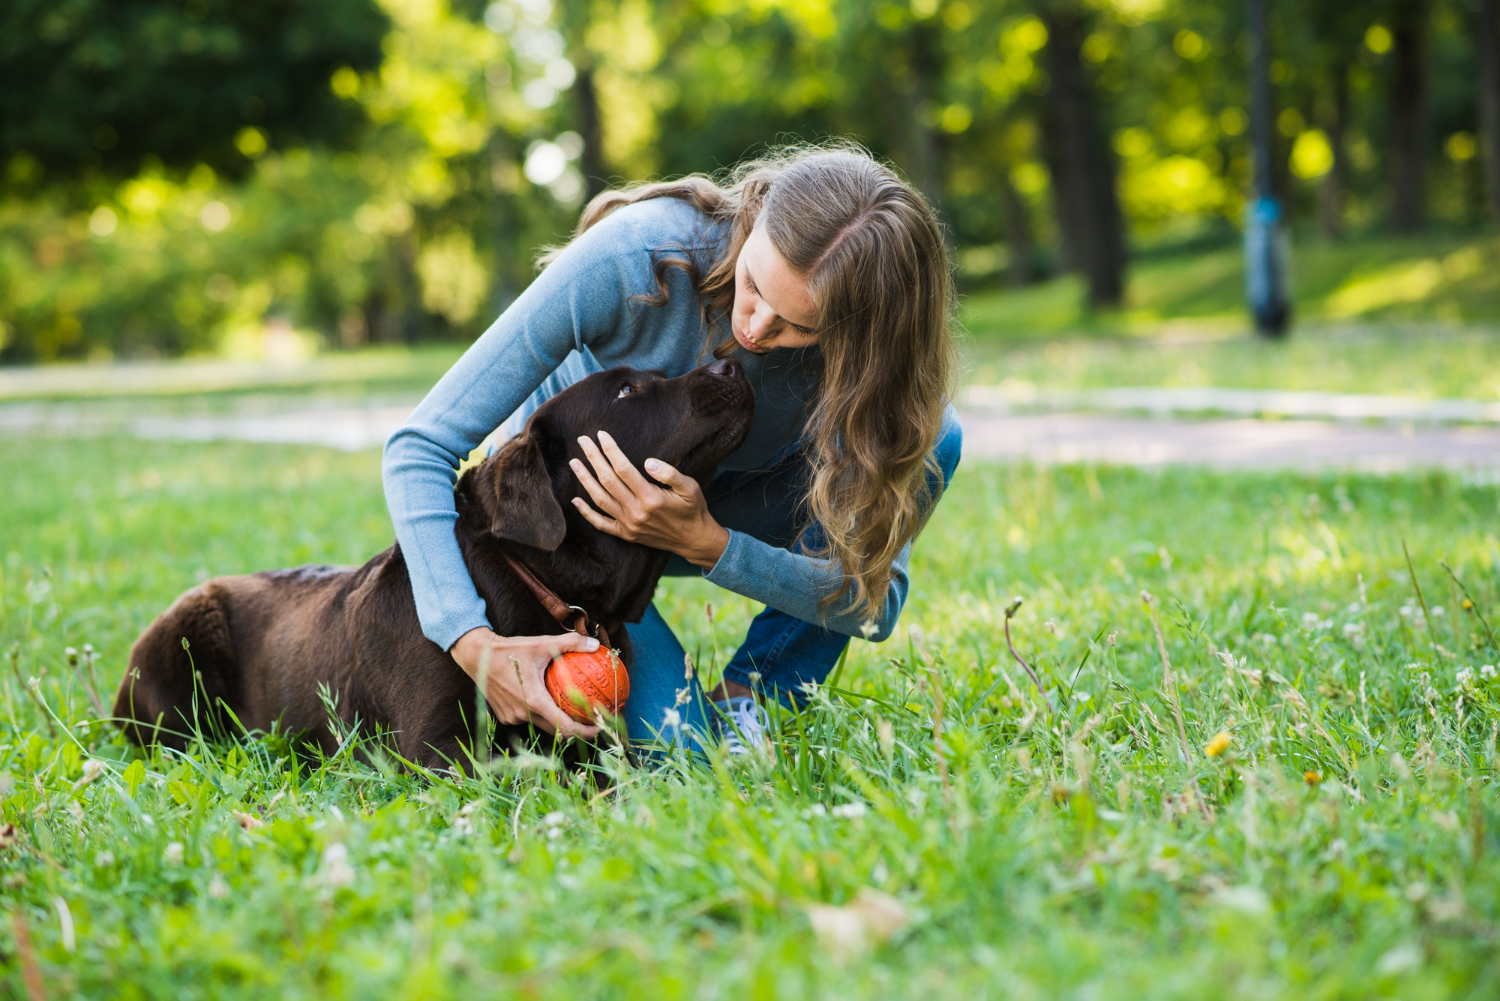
{"x": 742, "y": 724}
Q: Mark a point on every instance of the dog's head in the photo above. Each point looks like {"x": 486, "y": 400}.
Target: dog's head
{"x": 691, "y": 422}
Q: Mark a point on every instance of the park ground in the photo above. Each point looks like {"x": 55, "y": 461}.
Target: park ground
{"x": 1258, "y": 764}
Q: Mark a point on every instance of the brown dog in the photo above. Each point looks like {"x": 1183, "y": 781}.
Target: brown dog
{"x": 263, "y": 644}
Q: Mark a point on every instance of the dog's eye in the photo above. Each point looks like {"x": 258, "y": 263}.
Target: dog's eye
{"x": 625, "y": 390}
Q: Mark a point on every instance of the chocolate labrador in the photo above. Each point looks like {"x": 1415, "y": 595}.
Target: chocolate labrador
{"x": 263, "y": 645}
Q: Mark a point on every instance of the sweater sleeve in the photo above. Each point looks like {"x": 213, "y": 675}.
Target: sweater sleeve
{"x": 580, "y": 299}
{"x": 793, "y": 582}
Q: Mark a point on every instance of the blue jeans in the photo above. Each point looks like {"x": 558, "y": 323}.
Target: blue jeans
{"x": 781, "y": 655}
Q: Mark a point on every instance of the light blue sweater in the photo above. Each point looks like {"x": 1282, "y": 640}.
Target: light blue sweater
{"x": 577, "y": 318}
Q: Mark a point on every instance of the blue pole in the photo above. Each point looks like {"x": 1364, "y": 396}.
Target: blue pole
{"x": 1266, "y": 246}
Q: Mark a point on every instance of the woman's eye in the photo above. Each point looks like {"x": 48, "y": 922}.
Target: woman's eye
{"x": 625, "y": 390}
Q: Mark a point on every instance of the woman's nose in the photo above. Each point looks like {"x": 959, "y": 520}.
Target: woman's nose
{"x": 762, "y": 321}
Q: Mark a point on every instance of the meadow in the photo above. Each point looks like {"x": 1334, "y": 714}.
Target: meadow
{"x": 1413, "y": 316}
{"x": 1272, "y": 779}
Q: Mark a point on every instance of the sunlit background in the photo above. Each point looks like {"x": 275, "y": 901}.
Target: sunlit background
{"x": 275, "y": 180}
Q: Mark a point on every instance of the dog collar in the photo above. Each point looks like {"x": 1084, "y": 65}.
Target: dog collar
{"x": 568, "y": 616}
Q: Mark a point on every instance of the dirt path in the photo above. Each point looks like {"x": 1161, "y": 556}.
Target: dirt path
{"x": 1368, "y": 438}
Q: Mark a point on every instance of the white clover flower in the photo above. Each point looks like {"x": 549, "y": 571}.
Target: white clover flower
{"x": 173, "y": 853}
{"x": 93, "y": 770}
{"x": 850, "y": 811}
{"x": 1352, "y": 629}
{"x": 1309, "y": 619}
{"x": 104, "y": 860}
{"x": 217, "y": 887}
{"x": 463, "y": 823}
{"x": 336, "y": 869}
{"x": 1438, "y": 611}
{"x": 1487, "y": 671}
{"x": 816, "y": 810}
{"x": 553, "y": 833}
{"x": 555, "y": 819}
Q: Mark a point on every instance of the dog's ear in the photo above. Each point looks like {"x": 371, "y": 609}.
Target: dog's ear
{"x": 521, "y": 502}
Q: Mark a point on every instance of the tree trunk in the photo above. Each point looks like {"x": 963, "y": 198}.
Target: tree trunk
{"x": 921, "y": 152}
{"x": 1082, "y": 163}
{"x": 595, "y": 170}
{"x": 1331, "y": 192}
{"x": 1020, "y": 238}
{"x": 1487, "y": 53}
{"x": 1409, "y": 119}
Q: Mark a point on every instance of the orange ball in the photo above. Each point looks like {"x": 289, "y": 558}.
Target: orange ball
{"x": 581, "y": 683}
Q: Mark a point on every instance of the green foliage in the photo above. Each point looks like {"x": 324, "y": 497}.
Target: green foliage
{"x": 488, "y": 124}
{"x": 99, "y": 88}
{"x": 1343, "y": 844}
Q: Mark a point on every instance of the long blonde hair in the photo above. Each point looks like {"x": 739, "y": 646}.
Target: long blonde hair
{"x": 872, "y": 253}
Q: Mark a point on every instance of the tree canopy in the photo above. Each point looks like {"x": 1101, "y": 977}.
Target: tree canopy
{"x": 101, "y": 87}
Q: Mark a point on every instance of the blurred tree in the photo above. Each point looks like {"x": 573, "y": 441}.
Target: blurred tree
{"x": 1330, "y": 34}
{"x": 1487, "y": 57}
{"x": 1409, "y": 114}
{"x": 1080, "y": 158}
{"x": 99, "y": 87}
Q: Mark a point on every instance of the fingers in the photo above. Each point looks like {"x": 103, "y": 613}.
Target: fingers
{"x": 667, "y": 476}
{"x": 570, "y": 642}
{"x": 599, "y": 521}
{"x": 591, "y": 486}
{"x": 605, "y": 469}
{"x": 547, "y": 715}
{"x": 622, "y": 465}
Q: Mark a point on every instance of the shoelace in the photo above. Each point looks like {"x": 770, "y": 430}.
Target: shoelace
{"x": 744, "y": 725}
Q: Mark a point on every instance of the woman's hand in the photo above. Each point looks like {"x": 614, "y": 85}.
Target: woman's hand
{"x": 514, "y": 669}
{"x": 635, "y": 509}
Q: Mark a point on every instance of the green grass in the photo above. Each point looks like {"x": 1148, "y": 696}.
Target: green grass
{"x": 1417, "y": 316}
{"x": 1027, "y": 855}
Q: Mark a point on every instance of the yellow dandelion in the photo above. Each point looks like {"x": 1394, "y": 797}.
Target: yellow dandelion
{"x": 1468, "y": 605}
{"x": 1312, "y": 778}
{"x": 1218, "y": 745}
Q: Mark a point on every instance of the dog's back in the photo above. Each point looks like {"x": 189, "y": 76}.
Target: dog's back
{"x": 259, "y": 649}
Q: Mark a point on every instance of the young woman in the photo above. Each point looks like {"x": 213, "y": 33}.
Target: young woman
{"x": 828, "y": 278}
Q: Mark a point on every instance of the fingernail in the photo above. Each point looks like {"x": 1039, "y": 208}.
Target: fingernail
{"x": 652, "y": 466}
{"x": 604, "y": 434}
{"x": 591, "y": 645}
{"x": 575, "y": 463}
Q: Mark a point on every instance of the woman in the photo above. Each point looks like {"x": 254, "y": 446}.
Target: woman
{"x": 829, "y": 279}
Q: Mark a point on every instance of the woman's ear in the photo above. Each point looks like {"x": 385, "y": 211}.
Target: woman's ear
{"x": 520, "y": 499}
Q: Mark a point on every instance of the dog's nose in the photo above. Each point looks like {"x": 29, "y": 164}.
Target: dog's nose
{"x": 726, "y": 368}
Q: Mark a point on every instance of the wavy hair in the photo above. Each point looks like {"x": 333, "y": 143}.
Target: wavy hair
{"x": 872, "y": 253}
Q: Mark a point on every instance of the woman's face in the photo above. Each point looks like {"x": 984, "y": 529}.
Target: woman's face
{"x": 772, "y": 307}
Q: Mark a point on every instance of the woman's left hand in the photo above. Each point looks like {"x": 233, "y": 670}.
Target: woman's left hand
{"x": 674, "y": 517}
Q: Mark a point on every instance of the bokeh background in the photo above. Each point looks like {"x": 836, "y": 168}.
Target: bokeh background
{"x": 294, "y": 176}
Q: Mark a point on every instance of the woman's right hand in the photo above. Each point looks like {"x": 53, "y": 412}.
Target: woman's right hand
{"x": 514, "y": 670}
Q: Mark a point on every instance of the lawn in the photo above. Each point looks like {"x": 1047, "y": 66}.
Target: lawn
{"x": 1415, "y": 316}
{"x": 929, "y": 829}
